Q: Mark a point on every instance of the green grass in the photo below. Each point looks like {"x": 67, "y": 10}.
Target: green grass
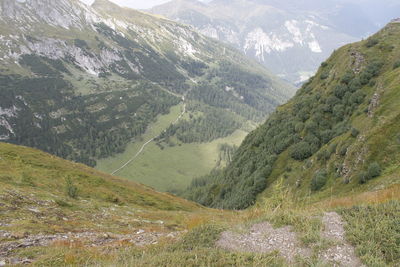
{"x": 173, "y": 167}
{"x": 375, "y": 232}
{"x": 30, "y": 179}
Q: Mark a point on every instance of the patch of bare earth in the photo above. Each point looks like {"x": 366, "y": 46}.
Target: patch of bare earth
{"x": 342, "y": 253}
{"x": 263, "y": 238}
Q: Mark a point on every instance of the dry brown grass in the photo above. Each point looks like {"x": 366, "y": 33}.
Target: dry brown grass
{"x": 373, "y": 197}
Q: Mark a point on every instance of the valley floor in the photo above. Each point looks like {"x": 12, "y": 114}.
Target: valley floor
{"x": 167, "y": 168}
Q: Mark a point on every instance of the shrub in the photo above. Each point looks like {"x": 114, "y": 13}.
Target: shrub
{"x": 71, "y": 189}
{"x": 323, "y": 155}
{"x": 374, "y": 170}
{"x": 343, "y": 150}
{"x": 301, "y": 151}
{"x": 349, "y": 75}
{"x": 371, "y": 43}
{"x": 319, "y": 180}
{"x": 340, "y": 90}
{"x": 396, "y": 65}
{"x": 354, "y": 132}
{"x": 324, "y": 75}
{"x": 332, "y": 148}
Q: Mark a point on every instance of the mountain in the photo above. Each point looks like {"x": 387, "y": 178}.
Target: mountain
{"x": 289, "y": 37}
{"x": 339, "y": 134}
{"x": 82, "y": 82}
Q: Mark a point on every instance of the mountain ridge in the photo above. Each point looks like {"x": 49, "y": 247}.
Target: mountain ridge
{"x": 290, "y": 38}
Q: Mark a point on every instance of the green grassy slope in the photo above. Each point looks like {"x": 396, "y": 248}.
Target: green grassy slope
{"x": 31, "y": 179}
{"x": 337, "y": 135}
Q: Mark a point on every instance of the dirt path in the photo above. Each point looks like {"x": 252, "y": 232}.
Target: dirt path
{"x": 263, "y": 238}
{"x": 342, "y": 253}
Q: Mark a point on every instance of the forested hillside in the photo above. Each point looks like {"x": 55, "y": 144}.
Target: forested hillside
{"x": 340, "y": 132}
{"x": 82, "y": 82}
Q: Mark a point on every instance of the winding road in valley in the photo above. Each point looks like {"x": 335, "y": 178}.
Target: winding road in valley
{"x": 152, "y": 139}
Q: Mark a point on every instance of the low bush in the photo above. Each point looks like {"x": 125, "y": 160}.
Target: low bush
{"x": 374, "y": 170}
{"x": 371, "y": 43}
{"x": 71, "y": 189}
{"x": 319, "y": 180}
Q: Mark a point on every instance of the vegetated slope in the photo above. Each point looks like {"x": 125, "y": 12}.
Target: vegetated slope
{"x": 31, "y": 172}
{"x": 339, "y": 133}
{"x": 55, "y": 212}
{"x": 290, "y": 38}
{"x": 47, "y": 202}
{"x": 81, "y": 82}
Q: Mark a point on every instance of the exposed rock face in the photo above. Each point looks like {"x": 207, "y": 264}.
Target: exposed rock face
{"x": 358, "y": 61}
{"x": 62, "y": 13}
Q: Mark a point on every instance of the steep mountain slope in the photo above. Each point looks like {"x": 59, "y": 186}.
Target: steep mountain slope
{"x": 339, "y": 133}
{"x": 81, "y": 82}
{"x": 290, "y": 37}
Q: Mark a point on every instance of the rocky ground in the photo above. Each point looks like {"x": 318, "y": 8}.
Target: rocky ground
{"x": 140, "y": 238}
{"x": 341, "y": 253}
{"x": 263, "y": 238}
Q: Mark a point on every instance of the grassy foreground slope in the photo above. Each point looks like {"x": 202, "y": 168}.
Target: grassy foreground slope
{"x": 58, "y": 213}
{"x": 70, "y": 189}
{"x": 339, "y": 134}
